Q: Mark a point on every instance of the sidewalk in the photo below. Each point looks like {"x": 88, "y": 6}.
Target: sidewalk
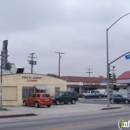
{"x": 54, "y": 109}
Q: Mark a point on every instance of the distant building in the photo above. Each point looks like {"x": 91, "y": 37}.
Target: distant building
{"x": 81, "y": 84}
{"x": 125, "y": 79}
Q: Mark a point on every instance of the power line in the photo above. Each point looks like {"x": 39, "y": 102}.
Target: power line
{"x": 60, "y": 53}
{"x": 32, "y": 62}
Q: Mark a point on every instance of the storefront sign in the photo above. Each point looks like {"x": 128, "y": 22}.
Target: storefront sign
{"x": 31, "y": 78}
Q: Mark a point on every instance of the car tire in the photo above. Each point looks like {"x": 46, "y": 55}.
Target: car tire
{"x": 99, "y": 97}
{"x": 65, "y": 102}
{"x": 36, "y": 105}
{"x": 24, "y": 103}
{"x": 73, "y": 101}
{"x": 126, "y": 101}
{"x": 48, "y": 105}
{"x": 57, "y": 102}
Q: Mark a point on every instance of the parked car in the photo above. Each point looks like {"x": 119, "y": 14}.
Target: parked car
{"x": 38, "y": 99}
{"x": 120, "y": 98}
{"x": 93, "y": 94}
{"x": 65, "y": 97}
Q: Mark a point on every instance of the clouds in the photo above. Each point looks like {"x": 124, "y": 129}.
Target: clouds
{"x": 74, "y": 27}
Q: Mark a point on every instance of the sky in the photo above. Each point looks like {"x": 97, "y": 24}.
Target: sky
{"x": 76, "y": 28}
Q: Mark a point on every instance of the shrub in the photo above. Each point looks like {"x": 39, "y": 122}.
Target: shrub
{"x": 80, "y": 95}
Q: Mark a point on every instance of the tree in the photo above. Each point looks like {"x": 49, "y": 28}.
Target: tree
{"x": 9, "y": 65}
{"x": 53, "y": 75}
{"x": 101, "y": 76}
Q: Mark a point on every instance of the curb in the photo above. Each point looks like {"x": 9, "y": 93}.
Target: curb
{"x": 17, "y": 115}
{"x": 110, "y": 108}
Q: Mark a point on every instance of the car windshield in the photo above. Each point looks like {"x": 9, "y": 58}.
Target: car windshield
{"x": 59, "y": 94}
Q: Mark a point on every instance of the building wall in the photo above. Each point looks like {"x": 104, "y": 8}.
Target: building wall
{"x": 12, "y": 86}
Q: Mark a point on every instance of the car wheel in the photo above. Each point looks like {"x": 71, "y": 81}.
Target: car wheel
{"x": 126, "y": 101}
{"x": 24, "y": 103}
{"x": 36, "y": 105}
{"x": 57, "y": 102}
{"x": 100, "y": 97}
{"x": 48, "y": 105}
{"x": 65, "y": 102}
{"x": 73, "y": 101}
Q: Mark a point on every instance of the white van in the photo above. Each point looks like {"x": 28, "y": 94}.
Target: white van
{"x": 103, "y": 91}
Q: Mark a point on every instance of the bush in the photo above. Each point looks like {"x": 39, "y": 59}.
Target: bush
{"x": 80, "y": 95}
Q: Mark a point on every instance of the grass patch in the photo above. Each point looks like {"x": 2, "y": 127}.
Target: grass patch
{"x": 4, "y": 109}
{"x": 80, "y": 96}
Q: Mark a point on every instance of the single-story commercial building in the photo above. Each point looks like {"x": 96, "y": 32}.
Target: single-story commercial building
{"x": 16, "y": 87}
{"x": 81, "y": 84}
{"x": 125, "y": 79}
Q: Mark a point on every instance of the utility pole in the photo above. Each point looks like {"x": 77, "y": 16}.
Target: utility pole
{"x": 32, "y": 62}
{"x": 1, "y": 81}
{"x": 113, "y": 73}
{"x": 60, "y": 53}
{"x": 4, "y": 55}
{"x": 89, "y": 71}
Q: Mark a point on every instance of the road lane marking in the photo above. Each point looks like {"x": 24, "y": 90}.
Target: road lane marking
{"x": 83, "y": 125}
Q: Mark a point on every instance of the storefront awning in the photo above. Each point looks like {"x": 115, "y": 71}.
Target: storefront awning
{"x": 42, "y": 87}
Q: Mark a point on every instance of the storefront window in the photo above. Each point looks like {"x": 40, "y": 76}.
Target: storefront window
{"x": 27, "y": 91}
{"x": 57, "y": 90}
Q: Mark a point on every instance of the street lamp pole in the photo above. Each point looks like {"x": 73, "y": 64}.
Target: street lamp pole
{"x": 108, "y": 94}
{"x": 107, "y": 54}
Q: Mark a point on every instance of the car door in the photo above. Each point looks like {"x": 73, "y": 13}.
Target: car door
{"x": 64, "y": 97}
{"x": 32, "y": 99}
{"x": 92, "y": 94}
{"x": 28, "y": 100}
{"x": 117, "y": 98}
{"x": 120, "y": 98}
{"x": 97, "y": 94}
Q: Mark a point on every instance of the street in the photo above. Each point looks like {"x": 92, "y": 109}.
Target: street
{"x": 107, "y": 120}
{"x": 86, "y": 114}
{"x": 98, "y": 101}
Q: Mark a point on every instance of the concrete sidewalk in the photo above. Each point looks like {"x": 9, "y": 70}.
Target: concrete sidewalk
{"x": 55, "y": 109}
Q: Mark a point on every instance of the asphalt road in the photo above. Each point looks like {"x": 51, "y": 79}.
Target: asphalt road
{"x": 107, "y": 120}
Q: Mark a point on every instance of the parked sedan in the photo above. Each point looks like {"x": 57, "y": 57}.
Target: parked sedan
{"x": 120, "y": 98}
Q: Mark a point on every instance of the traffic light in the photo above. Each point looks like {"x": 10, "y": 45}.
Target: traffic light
{"x": 110, "y": 76}
{"x": 115, "y": 88}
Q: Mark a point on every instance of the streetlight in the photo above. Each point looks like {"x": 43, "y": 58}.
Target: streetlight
{"x": 108, "y": 69}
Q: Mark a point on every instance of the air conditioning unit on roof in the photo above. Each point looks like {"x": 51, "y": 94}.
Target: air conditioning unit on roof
{"x": 17, "y": 69}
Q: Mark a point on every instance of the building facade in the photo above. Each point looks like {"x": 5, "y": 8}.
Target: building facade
{"x": 16, "y": 87}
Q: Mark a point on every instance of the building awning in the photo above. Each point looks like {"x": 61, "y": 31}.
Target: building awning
{"x": 42, "y": 87}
